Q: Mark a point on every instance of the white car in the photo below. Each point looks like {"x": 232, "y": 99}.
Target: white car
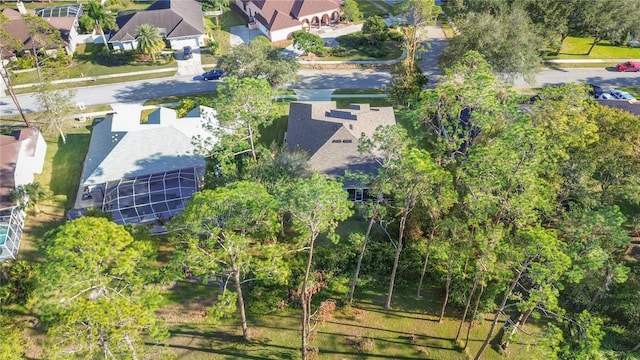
{"x": 605, "y": 96}
{"x": 621, "y": 95}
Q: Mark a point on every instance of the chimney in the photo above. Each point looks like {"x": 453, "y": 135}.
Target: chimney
{"x": 21, "y": 8}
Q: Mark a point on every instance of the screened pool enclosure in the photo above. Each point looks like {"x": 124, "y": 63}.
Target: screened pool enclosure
{"x": 11, "y": 224}
{"x": 150, "y": 198}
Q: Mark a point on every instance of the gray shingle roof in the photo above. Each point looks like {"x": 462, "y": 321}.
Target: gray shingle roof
{"x": 121, "y": 147}
{"x": 330, "y": 135}
{"x": 177, "y": 17}
{"x": 626, "y": 105}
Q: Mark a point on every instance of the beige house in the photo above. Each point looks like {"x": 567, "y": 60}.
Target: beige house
{"x": 330, "y": 136}
{"x": 278, "y": 19}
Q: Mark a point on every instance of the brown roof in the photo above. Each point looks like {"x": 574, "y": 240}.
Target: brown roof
{"x": 11, "y": 148}
{"x": 177, "y": 17}
{"x": 281, "y": 14}
{"x": 17, "y": 28}
{"x": 330, "y": 135}
{"x": 302, "y": 8}
{"x": 632, "y": 106}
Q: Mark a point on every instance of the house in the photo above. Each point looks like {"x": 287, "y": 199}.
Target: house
{"x": 330, "y": 135}
{"x": 22, "y": 155}
{"x": 632, "y": 106}
{"x": 62, "y": 18}
{"x": 180, "y": 23}
{"x": 278, "y": 19}
{"x": 142, "y": 172}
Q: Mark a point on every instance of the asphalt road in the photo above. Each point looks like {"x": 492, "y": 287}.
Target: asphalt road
{"x": 139, "y": 91}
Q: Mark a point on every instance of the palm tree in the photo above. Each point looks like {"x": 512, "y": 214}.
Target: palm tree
{"x": 102, "y": 18}
{"x": 28, "y": 196}
{"x": 149, "y": 40}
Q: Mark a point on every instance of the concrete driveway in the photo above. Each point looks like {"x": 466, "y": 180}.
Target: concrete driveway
{"x": 191, "y": 66}
{"x": 242, "y": 34}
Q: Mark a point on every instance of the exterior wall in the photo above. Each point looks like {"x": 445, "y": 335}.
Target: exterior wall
{"x": 73, "y": 39}
{"x": 179, "y": 43}
{"x": 319, "y": 16}
{"x": 284, "y": 33}
{"x": 125, "y": 46}
{"x": 26, "y": 166}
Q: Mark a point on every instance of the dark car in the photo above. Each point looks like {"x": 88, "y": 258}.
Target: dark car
{"x": 629, "y": 66}
{"x": 212, "y": 75}
{"x": 187, "y": 53}
{"x": 596, "y": 90}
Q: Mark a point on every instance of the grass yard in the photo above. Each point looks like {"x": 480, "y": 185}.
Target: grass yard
{"x": 362, "y": 331}
{"x": 576, "y": 48}
{"x": 375, "y": 102}
{"x": 369, "y": 9}
{"x": 87, "y": 63}
{"x": 61, "y": 174}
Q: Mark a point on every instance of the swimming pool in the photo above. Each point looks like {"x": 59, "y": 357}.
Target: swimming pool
{"x": 3, "y": 233}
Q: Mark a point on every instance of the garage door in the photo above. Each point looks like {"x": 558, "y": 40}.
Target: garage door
{"x": 178, "y": 44}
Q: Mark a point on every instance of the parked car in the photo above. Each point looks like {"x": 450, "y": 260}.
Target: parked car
{"x": 628, "y": 66}
{"x": 595, "y": 91}
{"x": 215, "y": 74}
{"x": 621, "y": 95}
{"x": 187, "y": 53}
{"x": 605, "y": 96}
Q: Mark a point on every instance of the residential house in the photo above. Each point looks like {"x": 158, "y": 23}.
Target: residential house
{"x": 180, "y": 23}
{"x": 142, "y": 172}
{"x": 22, "y": 155}
{"x": 331, "y": 136}
{"x": 632, "y": 106}
{"x": 278, "y": 19}
{"x": 62, "y": 18}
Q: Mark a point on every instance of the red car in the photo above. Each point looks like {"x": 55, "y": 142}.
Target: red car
{"x": 629, "y": 66}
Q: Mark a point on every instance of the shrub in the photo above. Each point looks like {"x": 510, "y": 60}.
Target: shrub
{"x": 375, "y": 29}
{"x": 340, "y": 51}
{"x": 213, "y": 46}
{"x": 354, "y": 40}
{"x": 376, "y": 51}
{"x": 396, "y": 36}
{"x": 25, "y": 62}
{"x": 308, "y": 42}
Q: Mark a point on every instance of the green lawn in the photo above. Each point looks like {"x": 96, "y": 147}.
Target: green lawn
{"x": 61, "y": 174}
{"x": 369, "y": 9}
{"x": 87, "y": 62}
{"x": 362, "y": 331}
{"x": 576, "y": 48}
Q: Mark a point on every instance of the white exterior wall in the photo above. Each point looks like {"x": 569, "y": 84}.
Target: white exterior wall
{"x": 284, "y": 33}
{"x": 318, "y": 15}
{"x": 125, "y": 46}
{"x": 27, "y": 166}
{"x": 73, "y": 39}
{"x": 193, "y": 41}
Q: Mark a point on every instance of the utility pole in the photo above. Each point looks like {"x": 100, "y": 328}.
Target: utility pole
{"x": 5, "y": 78}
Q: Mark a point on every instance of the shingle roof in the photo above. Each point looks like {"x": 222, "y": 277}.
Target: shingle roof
{"x": 21, "y": 143}
{"x": 121, "y": 147}
{"x": 16, "y": 28}
{"x": 626, "y": 105}
{"x": 177, "y": 17}
{"x": 330, "y": 135}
